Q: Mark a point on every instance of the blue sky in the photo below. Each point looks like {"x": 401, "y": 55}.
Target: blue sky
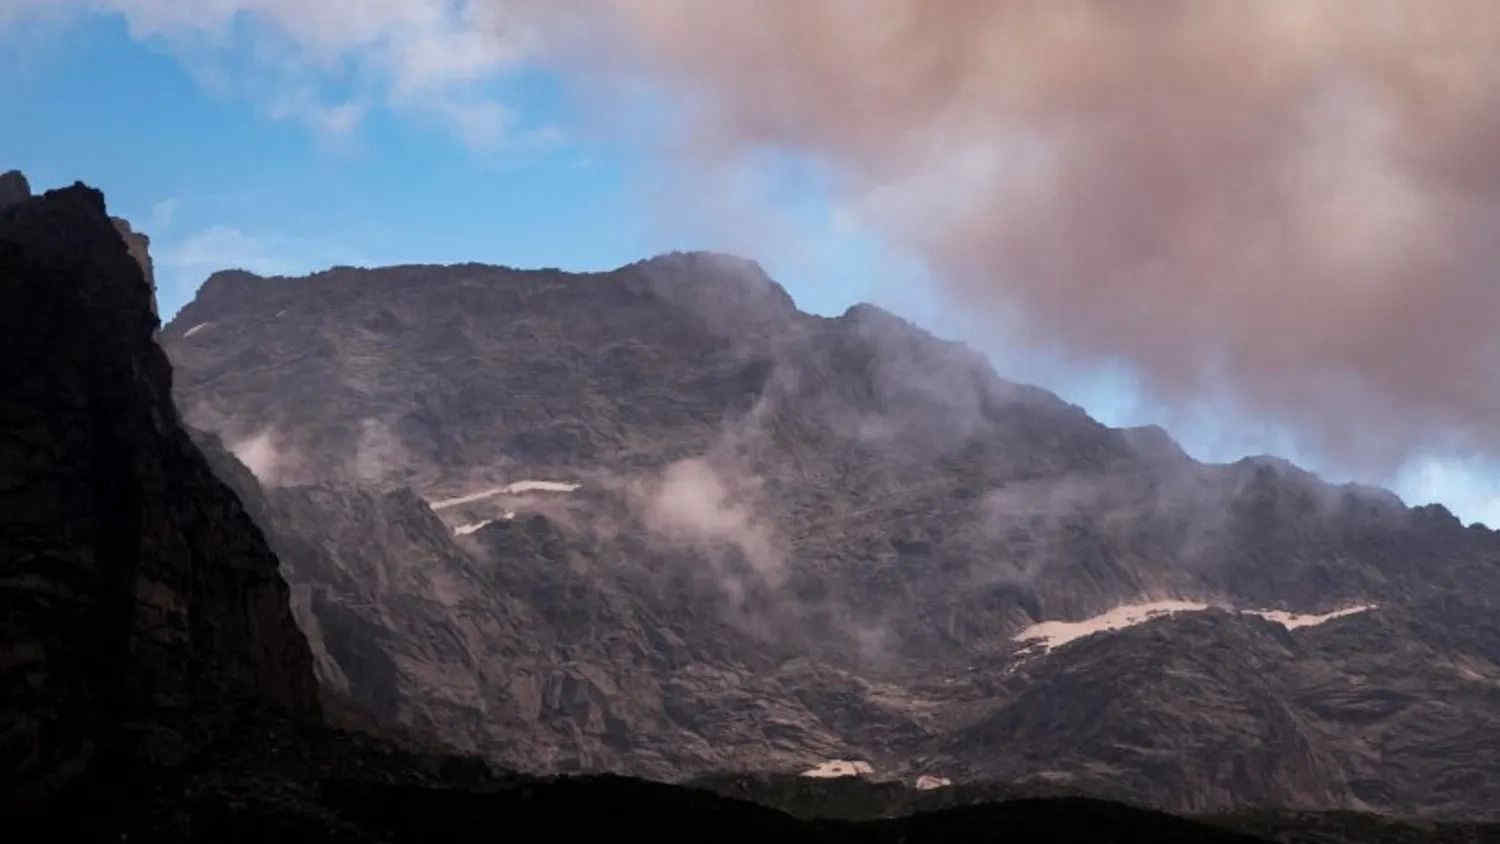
{"x": 242, "y": 142}
{"x": 217, "y": 179}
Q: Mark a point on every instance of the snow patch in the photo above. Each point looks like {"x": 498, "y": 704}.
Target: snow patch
{"x": 195, "y": 329}
{"x": 1054, "y": 634}
{"x": 1292, "y": 620}
{"x": 539, "y": 486}
{"x": 834, "y": 768}
{"x": 465, "y": 530}
{"x": 515, "y": 488}
{"x": 928, "y": 782}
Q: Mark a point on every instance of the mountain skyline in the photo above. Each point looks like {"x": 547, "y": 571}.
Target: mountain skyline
{"x": 441, "y": 132}
{"x": 658, "y": 521}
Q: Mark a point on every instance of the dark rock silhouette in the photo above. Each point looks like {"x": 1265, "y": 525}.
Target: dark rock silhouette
{"x": 142, "y": 603}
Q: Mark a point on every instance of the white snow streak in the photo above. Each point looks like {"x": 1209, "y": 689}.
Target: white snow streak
{"x": 515, "y": 488}
{"x": 465, "y": 530}
{"x": 195, "y": 329}
{"x": 1052, "y": 634}
{"x": 1292, "y": 621}
{"x": 839, "y": 768}
{"x": 539, "y": 486}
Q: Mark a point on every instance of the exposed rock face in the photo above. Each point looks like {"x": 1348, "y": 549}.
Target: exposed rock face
{"x": 139, "y": 246}
{"x": 141, "y": 601}
{"x": 797, "y": 539}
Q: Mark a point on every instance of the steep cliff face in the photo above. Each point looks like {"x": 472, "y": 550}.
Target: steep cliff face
{"x": 142, "y": 603}
{"x": 139, "y": 246}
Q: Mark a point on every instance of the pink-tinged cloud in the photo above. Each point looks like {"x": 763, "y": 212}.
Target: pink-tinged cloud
{"x": 1290, "y": 202}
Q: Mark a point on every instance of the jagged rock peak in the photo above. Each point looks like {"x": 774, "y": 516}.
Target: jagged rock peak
{"x": 703, "y": 260}
{"x": 1153, "y": 441}
{"x": 139, "y": 246}
{"x": 13, "y": 188}
{"x": 867, "y": 311}
{"x": 714, "y": 280}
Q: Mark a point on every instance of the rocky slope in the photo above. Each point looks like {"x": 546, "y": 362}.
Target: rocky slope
{"x": 658, "y": 521}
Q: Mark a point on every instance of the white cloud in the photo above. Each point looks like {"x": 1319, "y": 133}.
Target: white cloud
{"x": 223, "y": 247}
{"x": 481, "y": 124}
{"x": 333, "y": 123}
{"x": 181, "y": 265}
{"x": 327, "y": 62}
{"x": 162, "y": 214}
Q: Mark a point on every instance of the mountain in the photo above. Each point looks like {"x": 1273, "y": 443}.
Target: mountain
{"x": 155, "y": 685}
{"x": 657, "y": 521}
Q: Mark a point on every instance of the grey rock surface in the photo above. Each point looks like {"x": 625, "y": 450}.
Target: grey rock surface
{"x": 797, "y": 538}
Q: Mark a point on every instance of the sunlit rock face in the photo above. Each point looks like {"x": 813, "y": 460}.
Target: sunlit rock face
{"x": 657, "y": 520}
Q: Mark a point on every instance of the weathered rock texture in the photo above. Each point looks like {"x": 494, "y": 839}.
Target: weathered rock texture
{"x": 141, "y": 602}
{"x": 800, "y": 538}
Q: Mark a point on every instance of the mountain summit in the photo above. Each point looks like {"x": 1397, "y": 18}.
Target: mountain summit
{"x": 656, "y": 520}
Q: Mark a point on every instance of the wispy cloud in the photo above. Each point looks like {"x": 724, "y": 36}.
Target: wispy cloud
{"x": 328, "y": 63}
{"x": 183, "y": 264}
{"x": 222, "y": 247}
{"x": 162, "y": 215}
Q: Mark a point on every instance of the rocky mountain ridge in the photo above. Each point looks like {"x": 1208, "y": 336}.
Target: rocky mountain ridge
{"x": 658, "y": 521}
{"x": 154, "y": 684}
